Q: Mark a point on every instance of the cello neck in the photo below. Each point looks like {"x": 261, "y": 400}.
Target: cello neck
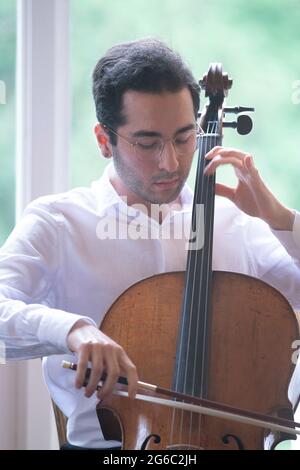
{"x": 192, "y": 351}
{"x": 191, "y": 365}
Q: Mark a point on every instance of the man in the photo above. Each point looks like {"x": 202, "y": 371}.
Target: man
{"x": 59, "y": 274}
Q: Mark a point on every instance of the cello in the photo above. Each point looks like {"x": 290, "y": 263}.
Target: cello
{"x": 209, "y": 335}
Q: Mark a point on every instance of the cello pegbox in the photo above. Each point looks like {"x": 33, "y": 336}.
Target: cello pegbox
{"x": 215, "y": 82}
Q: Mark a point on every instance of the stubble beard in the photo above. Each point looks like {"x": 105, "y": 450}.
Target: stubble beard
{"x": 130, "y": 180}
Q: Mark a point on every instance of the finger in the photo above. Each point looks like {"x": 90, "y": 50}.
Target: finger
{"x": 97, "y": 367}
{"x": 213, "y": 152}
{"x": 225, "y": 152}
{"x": 225, "y": 191}
{"x": 218, "y": 160}
{"x": 132, "y": 377}
{"x": 82, "y": 364}
{"x": 249, "y": 163}
{"x": 113, "y": 373}
{"x": 125, "y": 367}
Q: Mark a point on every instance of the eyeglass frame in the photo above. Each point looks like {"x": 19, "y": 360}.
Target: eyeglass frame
{"x": 198, "y": 134}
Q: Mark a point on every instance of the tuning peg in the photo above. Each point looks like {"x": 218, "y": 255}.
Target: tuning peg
{"x": 238, "y": 110}
{"x": 243, "y": 124}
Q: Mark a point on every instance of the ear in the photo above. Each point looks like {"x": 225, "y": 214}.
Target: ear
{"x": 103, "y": 140}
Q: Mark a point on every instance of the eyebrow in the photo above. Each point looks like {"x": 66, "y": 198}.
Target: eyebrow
{"x": 145, "y": 133}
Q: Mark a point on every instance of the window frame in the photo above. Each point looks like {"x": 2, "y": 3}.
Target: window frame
{"x": 42, "y": 167}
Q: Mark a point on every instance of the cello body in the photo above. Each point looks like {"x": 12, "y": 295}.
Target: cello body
{"x": 253, "y": 327}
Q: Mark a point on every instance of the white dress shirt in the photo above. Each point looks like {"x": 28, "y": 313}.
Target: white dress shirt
{"x": 55, "y": 269}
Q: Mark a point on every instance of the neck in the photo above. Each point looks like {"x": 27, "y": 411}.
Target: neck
{"x": 133, "y": 198}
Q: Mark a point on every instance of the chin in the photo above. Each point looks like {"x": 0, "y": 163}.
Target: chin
{"x": 166, "y": 198}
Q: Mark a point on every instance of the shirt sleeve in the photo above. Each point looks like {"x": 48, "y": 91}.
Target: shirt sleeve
{"x": 284, "y": 269}
{"x": 291, "y": 239}
{"x": 30, "y": 325}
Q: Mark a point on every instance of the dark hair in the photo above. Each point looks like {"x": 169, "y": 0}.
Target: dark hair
{"x": 146, "y": 65}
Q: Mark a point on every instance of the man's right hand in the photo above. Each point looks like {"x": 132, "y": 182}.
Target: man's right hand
{"x": 105, "y": 355}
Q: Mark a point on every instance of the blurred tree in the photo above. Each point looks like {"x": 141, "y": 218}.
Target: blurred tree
{"x": 258, "y": 44}
{"x": 7, "y": 117}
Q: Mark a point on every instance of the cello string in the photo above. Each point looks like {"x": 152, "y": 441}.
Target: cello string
{"x": 188, "y": 269}
{"x": 197, "y": 289}
{"x": 193, "y": 274}
{"x": 209, "y": 206}
{"x": 190, "y": 274}
{"x": 202, "y": 184}
{"x": 210, "y": 221}
{"x": 181, "y": 340}
{"x": 200, "y": 281}
{"x": 199, "y": 187}
{"x": 206, "y": 202}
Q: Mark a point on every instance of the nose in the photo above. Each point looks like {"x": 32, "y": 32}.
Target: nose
{"x": 168, "y": 159}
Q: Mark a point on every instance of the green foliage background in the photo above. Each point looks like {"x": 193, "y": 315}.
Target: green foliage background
{"x": 7, "y": 116}
{"x": 258, "y": 42}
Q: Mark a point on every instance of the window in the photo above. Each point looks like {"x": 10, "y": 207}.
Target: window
{"x": 7, "y": 116}
{"x": 243, "y": 36}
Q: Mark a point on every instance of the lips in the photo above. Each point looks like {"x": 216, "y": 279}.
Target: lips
{"x": 166, "y": 184}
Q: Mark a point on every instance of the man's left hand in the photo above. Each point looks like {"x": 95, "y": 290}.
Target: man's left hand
{"x": 251, "y": 194}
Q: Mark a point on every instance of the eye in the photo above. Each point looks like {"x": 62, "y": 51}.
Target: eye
{"x": 148, "y": 144}
{"x": 184, "y": 138}
{"x": 181, "y": 141}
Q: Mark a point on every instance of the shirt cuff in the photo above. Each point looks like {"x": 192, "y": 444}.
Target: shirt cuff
{"x": 54, "y": 328}
{"x": 291, "y": 239}
{"x": 296, "y": 230}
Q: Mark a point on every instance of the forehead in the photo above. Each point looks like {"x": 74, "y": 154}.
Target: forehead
{"x": 157, "y": 111}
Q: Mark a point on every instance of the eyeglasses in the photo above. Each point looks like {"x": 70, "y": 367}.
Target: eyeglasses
{"x": 152, "y": 147}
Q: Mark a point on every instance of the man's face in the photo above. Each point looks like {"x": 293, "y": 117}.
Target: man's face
{"x": 153, "y": 179}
